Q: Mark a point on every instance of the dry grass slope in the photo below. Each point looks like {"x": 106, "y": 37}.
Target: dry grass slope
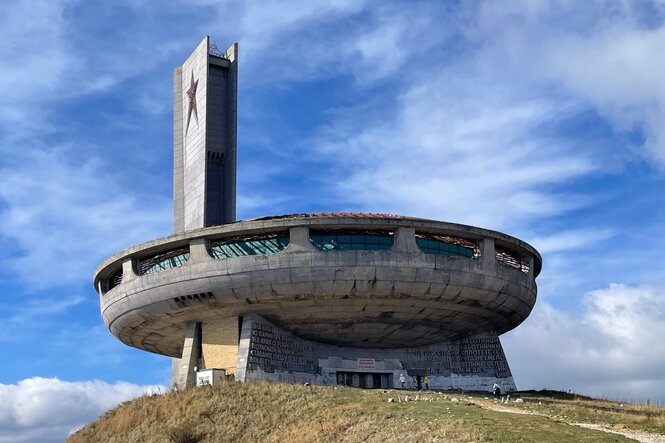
{"x": 262, "y": 412}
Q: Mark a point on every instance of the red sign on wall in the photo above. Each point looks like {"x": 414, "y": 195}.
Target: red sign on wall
{"x": 366, "y": 363}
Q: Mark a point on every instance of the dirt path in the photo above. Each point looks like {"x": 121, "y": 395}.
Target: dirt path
{"x": 642, "y": 437}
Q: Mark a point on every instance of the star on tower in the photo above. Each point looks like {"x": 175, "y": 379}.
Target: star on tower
{"x": 191, "y": 93}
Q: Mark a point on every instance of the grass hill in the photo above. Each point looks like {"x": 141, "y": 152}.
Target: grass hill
{"x": 263, "y": 412}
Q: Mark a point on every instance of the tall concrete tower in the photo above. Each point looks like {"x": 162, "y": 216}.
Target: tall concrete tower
{"x": 205, "y": 110}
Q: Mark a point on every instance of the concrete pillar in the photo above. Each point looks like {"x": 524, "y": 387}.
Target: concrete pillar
{"x": 243, "y": 347}
{"x": 198, "y": 251}
{"x": 186, "y": 377}
{"x": 299, "y": 240}
{"x": 530, "y": 261}
{"x": 405, "y": 241}
{"x": 128, "y": 272}
{"x": 175, "y": 368}
{"x": 488, "y": 254}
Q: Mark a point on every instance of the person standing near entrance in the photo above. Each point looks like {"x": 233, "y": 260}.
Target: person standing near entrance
{"x": 496, "y": 390}
{"x": 426, "y": 381}
{"x": 402, "y": 380}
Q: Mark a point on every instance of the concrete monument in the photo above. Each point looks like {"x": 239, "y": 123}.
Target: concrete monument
{"x": 333, "y": 298}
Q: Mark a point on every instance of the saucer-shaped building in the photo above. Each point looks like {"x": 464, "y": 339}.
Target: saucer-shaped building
{"x": 329, "y": 298}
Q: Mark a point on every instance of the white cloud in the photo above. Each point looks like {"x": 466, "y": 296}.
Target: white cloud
{"x": 606, "y": 54}
{"x": 570, "y": 239}
{"x": 459, "y": 150}
{"x": 37, "y": 308}
{"x": 303, "y": 40}
{"x": 613, "y": 349}
{"x": 49, "y": 59}
{"x": 282, "y": 40}
{"x": 82, "y": 213}
{"x": 619, "y": 70}
{"x": 44, "y": 410}
{"x": 32, "y": 30}
{"x": 32, "y": 34}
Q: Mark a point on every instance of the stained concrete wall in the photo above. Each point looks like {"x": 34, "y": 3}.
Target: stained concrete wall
{"x": 219, "y": 342}
{"x": 270, "y": 353}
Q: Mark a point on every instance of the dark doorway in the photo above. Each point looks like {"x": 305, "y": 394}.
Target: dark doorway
{"x": 366, "y": 380}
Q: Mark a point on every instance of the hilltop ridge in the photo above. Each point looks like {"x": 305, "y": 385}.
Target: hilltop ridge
{"x": 271, "y": 412}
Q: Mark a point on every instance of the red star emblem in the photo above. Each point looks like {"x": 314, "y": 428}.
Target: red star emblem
{"x": 191, "y": 93}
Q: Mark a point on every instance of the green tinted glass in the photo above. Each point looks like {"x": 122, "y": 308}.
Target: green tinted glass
{"x": 261, "y": 246}
{"x": 429, "y": 246}
{"x": 351, "y": 242}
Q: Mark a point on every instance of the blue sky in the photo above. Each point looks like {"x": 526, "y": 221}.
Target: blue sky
{"x": 542, "y": 119}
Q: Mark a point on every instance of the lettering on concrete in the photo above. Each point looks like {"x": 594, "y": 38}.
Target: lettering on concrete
{"x": 275, "y": 351}
{"x": 366, "y": 363}
{"x": 478, "y": 356}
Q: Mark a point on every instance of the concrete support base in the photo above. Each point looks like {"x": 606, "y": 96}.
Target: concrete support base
{"x": 269, "y": 353}
{"x": 185, "y": 375}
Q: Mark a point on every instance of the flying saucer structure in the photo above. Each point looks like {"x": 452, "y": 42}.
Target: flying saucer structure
{"x": 330, "y": 298}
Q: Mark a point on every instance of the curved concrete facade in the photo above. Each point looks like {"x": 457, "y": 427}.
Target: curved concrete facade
{"x": 362, "y": 299}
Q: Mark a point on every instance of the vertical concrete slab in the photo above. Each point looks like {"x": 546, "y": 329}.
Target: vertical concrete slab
{"x": 198, "y": 251}
{"x": 195, "y": 93}
{"x": 228, "y": 199}
{"x": 186, "y": 377}
{"x": 299, "y": 240}
{"x": 128, "y": 272}
{"x": 243, "y": 348}
{"x": 175, "y": 369}
{"x": 205, "y": 138}
{"x": 405, "y": 240}
{"x": 488, "y": 255}
{"x": 530, "y": 262}
{"x": 178, "y": 171}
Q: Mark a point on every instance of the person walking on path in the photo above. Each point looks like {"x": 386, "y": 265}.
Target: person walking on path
{"x": 402, "y": 380}
{"x": 426, "y": 381}
{"x": 497, "y": 391}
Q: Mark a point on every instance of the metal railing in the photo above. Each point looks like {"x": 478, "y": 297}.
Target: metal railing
{"x": 214, "y": 50}
{"x": 164, "y": 260}
{"x": 115, "y": 279}
{"x": 249, "y": 245}
{"x": 511, "y": 259}
{"x": 447, "y": 245}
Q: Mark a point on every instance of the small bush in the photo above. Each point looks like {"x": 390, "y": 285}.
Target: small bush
{"x": 184, "y": 434}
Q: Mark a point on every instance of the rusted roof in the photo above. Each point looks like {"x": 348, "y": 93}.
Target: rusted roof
{"x": 341, "y": 214}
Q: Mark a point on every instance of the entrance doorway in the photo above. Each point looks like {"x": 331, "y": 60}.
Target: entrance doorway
{"x": 367, "y": 380}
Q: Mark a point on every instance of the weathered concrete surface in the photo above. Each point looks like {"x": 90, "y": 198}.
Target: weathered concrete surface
{"x": 269, "y": 353}
{"x": 186, "y": 371}
{"x": 371, "y": 299}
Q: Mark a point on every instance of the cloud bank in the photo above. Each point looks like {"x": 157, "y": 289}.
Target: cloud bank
{"x": 614, "y": 348}
{"x": 47, "y": 410}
